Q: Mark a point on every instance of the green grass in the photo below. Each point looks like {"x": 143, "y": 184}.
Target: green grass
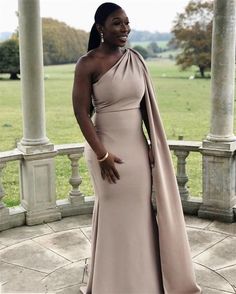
{"x": 184, "y": 105}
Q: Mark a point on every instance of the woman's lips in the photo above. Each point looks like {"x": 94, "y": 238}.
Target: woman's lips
{"x": 123, "y": 38}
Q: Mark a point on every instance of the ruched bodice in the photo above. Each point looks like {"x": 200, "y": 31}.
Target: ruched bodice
{"x": 119, "y": 90}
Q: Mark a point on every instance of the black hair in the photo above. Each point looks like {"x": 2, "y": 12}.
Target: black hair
{"x": 101, "y": 14}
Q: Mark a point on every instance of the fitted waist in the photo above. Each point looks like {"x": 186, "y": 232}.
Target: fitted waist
{"x": 108, "y": 110}
{"x": 117, "y": 121}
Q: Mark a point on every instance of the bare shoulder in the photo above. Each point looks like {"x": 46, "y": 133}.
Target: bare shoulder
{"x": 87, "y": 63}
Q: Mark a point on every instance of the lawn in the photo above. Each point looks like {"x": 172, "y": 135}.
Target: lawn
{"x": 184, "y": 105}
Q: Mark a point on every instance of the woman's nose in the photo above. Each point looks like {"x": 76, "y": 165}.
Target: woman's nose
{"x": 125, "y": 28}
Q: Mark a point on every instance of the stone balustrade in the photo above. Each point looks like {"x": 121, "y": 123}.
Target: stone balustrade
{"x": 182, "y": 150}
{"x": 77, "y": 203}
{"x": 36, "y": 154}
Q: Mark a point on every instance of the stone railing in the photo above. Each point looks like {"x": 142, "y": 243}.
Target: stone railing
{"x": 182, "y": 150}
{"x": 76, "y": 202}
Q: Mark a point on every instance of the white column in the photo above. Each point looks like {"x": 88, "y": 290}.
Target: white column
{"x": 223, "y": 68}
{"x": 37, "y": 170}
{"x": 219, "y": 161}
{"x": 31, "y": 60}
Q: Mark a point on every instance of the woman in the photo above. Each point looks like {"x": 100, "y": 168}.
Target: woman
{"x": 132, "y": 250}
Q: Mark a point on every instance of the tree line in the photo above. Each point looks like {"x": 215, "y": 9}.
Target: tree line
{"x": 61, "y": 44}
{"x": 191, "y": 34}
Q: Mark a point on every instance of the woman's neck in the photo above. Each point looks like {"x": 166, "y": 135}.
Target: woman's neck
{"x": 111, "y": 49}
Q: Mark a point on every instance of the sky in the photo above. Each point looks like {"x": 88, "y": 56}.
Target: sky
{"x": 151, "y": 15}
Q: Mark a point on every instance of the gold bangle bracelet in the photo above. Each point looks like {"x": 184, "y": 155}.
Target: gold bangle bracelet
{"x": 104, "y": 157}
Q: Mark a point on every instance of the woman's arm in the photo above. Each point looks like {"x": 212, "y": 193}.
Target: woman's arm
{"x": 81, "y": 97}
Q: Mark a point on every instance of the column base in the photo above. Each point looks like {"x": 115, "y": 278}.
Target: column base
{"x": 218, "y": 180}
{"x": 209, "y": 212}
{"x": 34, "y": 149}
{"x": 213, "y": 147}
{"x": 45, "y": 216}
{"x": 215, "y": 138}
{"x": 34, "y": 142}
{"x": 37, "y": 179}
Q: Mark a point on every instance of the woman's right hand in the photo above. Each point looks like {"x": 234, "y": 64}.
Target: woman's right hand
{"x": 108, "y": 169}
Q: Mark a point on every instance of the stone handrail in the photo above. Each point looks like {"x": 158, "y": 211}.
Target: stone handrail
{"x": 76, "y": 202}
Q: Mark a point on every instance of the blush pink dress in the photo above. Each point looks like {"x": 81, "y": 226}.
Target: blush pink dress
{"x": 125, "y": 252}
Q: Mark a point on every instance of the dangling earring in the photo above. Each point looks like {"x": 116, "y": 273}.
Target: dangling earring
{"x": 102, "y": 38}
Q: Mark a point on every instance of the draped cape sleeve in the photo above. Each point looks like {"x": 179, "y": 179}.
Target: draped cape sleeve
{"x": 176, "y": 262}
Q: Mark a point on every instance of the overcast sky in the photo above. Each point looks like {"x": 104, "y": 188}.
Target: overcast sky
{"x": 152, "y": 15}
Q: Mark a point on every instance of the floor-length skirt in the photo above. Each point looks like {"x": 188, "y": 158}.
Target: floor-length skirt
{"x": 125, "y": 250}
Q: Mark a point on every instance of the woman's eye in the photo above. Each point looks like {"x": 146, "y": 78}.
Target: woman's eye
{"x": 119, "y": 23}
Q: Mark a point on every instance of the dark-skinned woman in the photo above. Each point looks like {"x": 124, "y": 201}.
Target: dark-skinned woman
{"x": 135, "y": 250}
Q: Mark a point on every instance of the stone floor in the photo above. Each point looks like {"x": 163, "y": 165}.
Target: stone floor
{"x": 50, "y": 258}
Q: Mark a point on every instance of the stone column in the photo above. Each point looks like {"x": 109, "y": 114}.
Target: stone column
{"x": 219, "y": 148}
{"x": 223, "y": 68}
{"x": 37, "y": 173}
{"x": 31, "y": 72}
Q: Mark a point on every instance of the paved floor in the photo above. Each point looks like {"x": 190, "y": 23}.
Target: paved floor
{"x": 50, "y": 258}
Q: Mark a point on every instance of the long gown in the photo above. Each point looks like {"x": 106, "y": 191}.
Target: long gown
{"x": 125, "y": 253}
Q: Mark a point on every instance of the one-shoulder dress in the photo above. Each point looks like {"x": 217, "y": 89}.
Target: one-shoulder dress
{"x": 125, "y": 251}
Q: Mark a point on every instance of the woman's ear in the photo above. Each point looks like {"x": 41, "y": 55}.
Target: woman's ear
{"x": 99, "y": 28}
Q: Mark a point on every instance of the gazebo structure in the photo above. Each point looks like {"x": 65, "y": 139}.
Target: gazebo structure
{"x": 36, "y": 154}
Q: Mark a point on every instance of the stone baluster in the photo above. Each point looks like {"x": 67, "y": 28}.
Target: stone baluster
{"x": 75, "y": 196}
{"x": 182, "y": 177}
{"x": 4, "y": 211}
{"x": 2, "y": 166}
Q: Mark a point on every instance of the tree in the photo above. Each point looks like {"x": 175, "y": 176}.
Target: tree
{"x": 9, "y": 58}
{"x": 192, "y": 32}
{"x": 142, "y": 51}
{"x": 153, "y": 47}
{"x": 61, "y": 43}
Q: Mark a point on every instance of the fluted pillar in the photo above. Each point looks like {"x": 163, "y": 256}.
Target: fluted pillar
{"x": 219, "y": 174}
{"x": 31, "y": 72}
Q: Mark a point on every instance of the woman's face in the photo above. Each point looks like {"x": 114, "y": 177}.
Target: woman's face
{"x": 116, "y": 28}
